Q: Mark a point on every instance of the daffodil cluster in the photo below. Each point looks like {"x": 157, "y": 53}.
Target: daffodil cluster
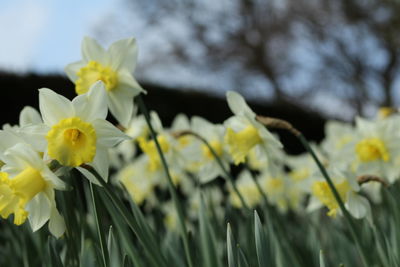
{"x": 74, "y": 134}
{"x": 66, "y": 134}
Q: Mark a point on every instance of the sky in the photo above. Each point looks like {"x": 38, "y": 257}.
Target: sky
{"x": 45, "y": 35}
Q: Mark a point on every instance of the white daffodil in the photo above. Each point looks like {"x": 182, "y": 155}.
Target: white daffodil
{"x": 248, "y": 190}
{"x": 76, "y": 132}
{"x": 244, "y": 133}
{"x": 302, "y": 170}
{"x": 375, "y": 149}
{"x": 200, "y": 157}
{"x": 281, "y": 192}
{"x": 347, "y": 187}
{"x": 138, "y": 181}
{"x": 339, "y": 140}
{"x": 114, "y": 67}
{"x": 27, "y": 189}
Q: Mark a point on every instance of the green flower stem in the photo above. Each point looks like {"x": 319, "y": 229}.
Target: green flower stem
{"x": 157, "y": 260}
{"x": 282, "y": 124}
{"x": 346, "y": 214}
{"x": 227, "y": 174}
{"x": 104, "y": 252}
{"x": 171, "y": 186}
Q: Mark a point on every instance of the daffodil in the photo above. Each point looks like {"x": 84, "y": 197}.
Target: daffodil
{"x": 281, "y": 191}
{"x": 347, "y": 188}
{"x": 247, "y": 188}
{"x": 374, "y": 149}
{"x": 198, "y": 156}
{"x": 114, "y": 67}
{"x": 339, "y": 140}
{"x": 244, "y": 132}
{"x": 76, "y": 131}
{"x": 27, "y": 189}
{"x": 138, "y": 181}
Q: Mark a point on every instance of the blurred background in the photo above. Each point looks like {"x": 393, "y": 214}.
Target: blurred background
{"x": 304, "y": 60}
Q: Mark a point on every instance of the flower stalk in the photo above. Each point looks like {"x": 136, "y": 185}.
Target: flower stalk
{"x": 171, "y": 186}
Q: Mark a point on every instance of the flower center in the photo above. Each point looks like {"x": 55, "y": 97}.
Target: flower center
{"x": 216, "y": 146}
{"x": 17, "y": 192}
{"x": 92, "y": 73}
{"x": 322, "y": 191}
{"x": 149, "y": 147}
{"x": 371, "y": 149}
{"x": 242, "y": 142}
{"x": 72, "y": 142}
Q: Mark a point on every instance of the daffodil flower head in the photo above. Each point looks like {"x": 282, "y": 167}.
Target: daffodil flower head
{"x": 347, "y": 188}
{"x": 114, "y": 67}
{"x": 27, "y": 189}
{"x": 322, "y": 191}
{"x": 150, "y": 149}
{"x": 136, "y": 181}
{"x": 240, "y": 143}
{"x": 200, "y": 157}
{"x": 247, "y": 189}
{"x": 76, "y": 131}
{"x": 243, "y": 132}
{"x": 375, "y": 149}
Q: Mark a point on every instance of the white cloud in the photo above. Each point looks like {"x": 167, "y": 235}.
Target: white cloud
{"x": 22, "y": 24}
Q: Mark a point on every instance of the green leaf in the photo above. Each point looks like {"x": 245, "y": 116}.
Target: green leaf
{"x": 103, "y": 250}
{"x": 113, "y": 249}
{"x": 54, "y": 256}
{"x": 321, "y": 259}
{"x": 261, "y": 242}
{"x": 242, "y": 258}
{"x": 207, "y": 238}
{"x": 231, "y": 248}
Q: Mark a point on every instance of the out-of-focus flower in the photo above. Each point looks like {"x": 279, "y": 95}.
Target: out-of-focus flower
{"x": 243, "y": 132}
{"x": 247, "y": 189}
{"x": 347, "y": 187}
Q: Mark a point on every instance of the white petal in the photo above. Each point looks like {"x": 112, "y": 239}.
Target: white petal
{"x": 91, "y": 50}
{"x": 238, "y": 105}
{"x": 56, "y": 223}
{"x": 101, "y": 162}
{"x": 313, "y": 204}
{"x": 35, "y": 135}
{"x": 124, "y": 54}
{"x": 126, "y": 79}
{"x": 39, "y": 211}
{"x": 54, "y": 107}
{"x": 8, "y": 139}
{"x": 92, "y": 105}
{"x": 121, "y": 106}
{"x": 357, "y": 205}
{"x": 72, "y": 69}
{"x": 29, "y": 115}
{"x": 21, "y": 156}
{"x": 50, "y": 176}
{"x": 107, "y": 134}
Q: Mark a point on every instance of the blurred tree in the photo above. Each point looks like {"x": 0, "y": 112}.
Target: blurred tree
{"x": 305, "y": 51}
